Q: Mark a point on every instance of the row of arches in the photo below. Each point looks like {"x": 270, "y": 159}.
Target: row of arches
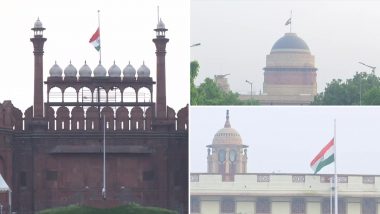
{"x": 91, "y": 119}
{"x": 86, "y": 95}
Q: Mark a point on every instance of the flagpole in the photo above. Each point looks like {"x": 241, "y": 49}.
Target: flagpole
{"x": 331, "y": 194}
{"x": 335, "y": 171}
{"x": 100, "y": 50}
{"x": 104, "y": 157}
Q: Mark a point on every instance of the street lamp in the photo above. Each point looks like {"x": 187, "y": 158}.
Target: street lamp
{"x": 249, "y": 82}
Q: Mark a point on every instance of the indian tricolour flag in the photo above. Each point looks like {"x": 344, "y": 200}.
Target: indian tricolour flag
{"x": 95, "y": 40}
{"x": 324, "y": 157}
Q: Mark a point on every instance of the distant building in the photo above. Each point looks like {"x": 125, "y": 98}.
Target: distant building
{"x": 227, "y": 188}
{"x": 222, "y": 82}
{"x": 52, "y": 154}
{"x": 289, "y": 75}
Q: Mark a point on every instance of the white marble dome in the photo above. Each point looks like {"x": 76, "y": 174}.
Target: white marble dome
{"x": 55, "y": 70}
{"x": 85, "y": 70}
{"x": 129, "y": 71}
{"x": 100, "y": 71}
{"x": 114, "y": 71}
{"x": 227, "y": 135}
{"x": 38, "y": 23}
{"x": 70, "y": 71}
{"x": 143, "y": 71}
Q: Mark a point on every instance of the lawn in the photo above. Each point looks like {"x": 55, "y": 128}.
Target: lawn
{"x": 127, "y": 209}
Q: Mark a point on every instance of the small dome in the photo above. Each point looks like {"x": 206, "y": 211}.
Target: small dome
{"x": 55, "y": 71}
{"x": 129, "y": 71}
{"x": 290, "y": 42}
{"x": 114, "y": 70}
{"x": 227, "y": 135}
{"x": 100, "y": 71}
{"x": 85, "y": 70}
{"x": 160, "y": 25}
{"x": 38, "y": 23}
{"x": 143, "y": 71}
{"x": 70, "y": 71}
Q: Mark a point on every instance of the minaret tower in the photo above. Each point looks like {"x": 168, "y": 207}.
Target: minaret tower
{"x": 227, "y": 155}
{"x": 160, "y": 42}
{"x": 38, "y": 43}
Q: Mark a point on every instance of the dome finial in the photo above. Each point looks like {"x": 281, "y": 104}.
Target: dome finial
{"x": 227, "y": 124}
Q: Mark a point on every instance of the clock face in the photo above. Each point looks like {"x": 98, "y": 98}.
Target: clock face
{"x": 233, "y": 155}
{"x": 222, "y": 155}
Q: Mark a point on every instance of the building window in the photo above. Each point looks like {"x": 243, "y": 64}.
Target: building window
{"x": 194, "y": 178}
{"x": 298, "y": 206}
{"x": 298, "y": 179}
{"x": 263, "y": 206}
{"x": 368, "y": 179}
{"x": 23, "y": 179}
{"x": 227, "y": 205}
{"x": 195, "y": 204}
{"x": 326, "y": 206}
{"x": 148, "y": 175}
{"x": 369, "y": 206}
{"x": 51, "y": 175}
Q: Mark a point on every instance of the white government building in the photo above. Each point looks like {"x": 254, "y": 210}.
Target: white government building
{"x": 227, "y": 187}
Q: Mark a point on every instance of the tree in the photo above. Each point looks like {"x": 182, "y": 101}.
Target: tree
{"x": 208, "y": 93}
{"x": 350, "y": 92}
{"x": 372, "y": 97}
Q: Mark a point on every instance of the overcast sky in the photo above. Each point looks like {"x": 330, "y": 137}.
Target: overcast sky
{"x": 237, "y": 35}
{"x": 126, "y": 35}
{"x": 286, "y": 139}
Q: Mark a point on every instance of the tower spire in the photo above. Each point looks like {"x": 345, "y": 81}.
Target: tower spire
{"x": 38, "y": 43}
{"x": 160, "y": 42}
{"x": 227, "y": 124}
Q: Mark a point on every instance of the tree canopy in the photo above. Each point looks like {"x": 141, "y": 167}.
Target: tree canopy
{"x": 362, "y": 89}
{"x": 208, "y": 93}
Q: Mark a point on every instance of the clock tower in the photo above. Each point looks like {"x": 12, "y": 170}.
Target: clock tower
{"x": 227, "y": 155}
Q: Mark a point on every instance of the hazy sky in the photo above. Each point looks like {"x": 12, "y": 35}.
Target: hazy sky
{"x": 126, "y": 35}
{"x": 237, "y": 35}
{"x": 286, "y": 139}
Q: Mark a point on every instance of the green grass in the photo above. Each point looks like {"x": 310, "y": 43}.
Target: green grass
{"x": 127, "y": 209}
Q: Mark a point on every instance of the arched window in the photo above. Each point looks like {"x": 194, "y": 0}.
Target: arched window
{"x": 100, "y": 95}
{"x": 70, "y": 95}
{"x": 85, "y": 95}
{"x": 129, "y": 95}
{"x": 114, "y": 95}
{"x": 55, "y": 95}
{"x": 143, "y": 95}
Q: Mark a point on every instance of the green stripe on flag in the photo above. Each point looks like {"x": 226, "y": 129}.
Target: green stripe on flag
{"x": 324, "y": 163}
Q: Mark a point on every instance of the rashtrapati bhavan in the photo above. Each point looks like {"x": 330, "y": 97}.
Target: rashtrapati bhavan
{"x": 227, "y": 187}
{"x": 290, "y": 76}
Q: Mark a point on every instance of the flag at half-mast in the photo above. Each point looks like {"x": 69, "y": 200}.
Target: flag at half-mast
{"x": 95, "y": 40}
{"x": 288, "y": 22}
{"x": 324, "y": 157}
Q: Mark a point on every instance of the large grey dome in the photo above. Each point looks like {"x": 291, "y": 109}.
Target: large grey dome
{"x": 129, "y": 71}
{"x": 290, "y": 42}
{"x": 55, "y": 71}
{"x": 70, "y": 71}
{"x": 100, "y": 71}
{"x": 85, "y": 71}
{"x": 114, "y": 71}
{"x": 143, "y": 71}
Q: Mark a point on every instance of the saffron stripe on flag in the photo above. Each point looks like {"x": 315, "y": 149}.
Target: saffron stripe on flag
{"x": 322, "y": 152}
